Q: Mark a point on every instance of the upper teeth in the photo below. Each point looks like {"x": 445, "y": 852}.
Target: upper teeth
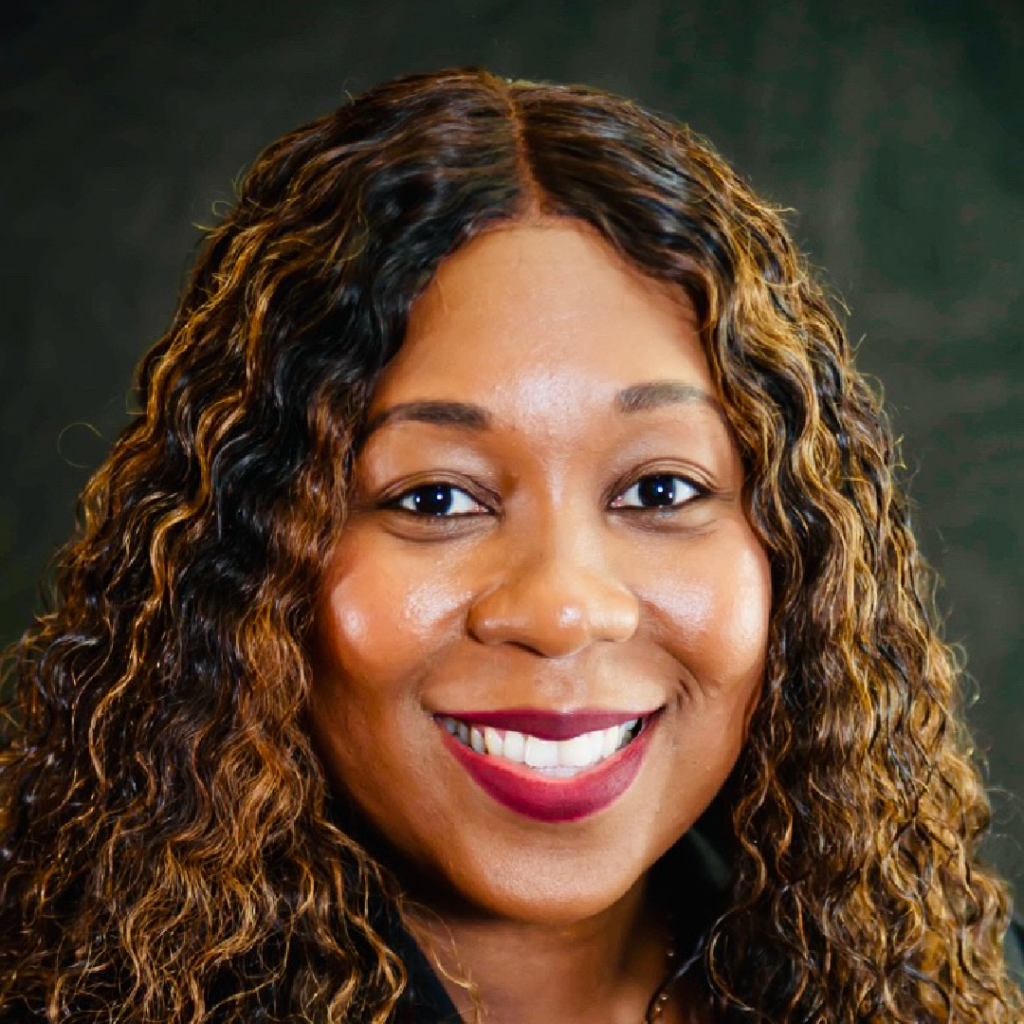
{"x": 579, "y": 752}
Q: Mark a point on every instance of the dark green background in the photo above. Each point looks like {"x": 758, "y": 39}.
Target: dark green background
{"x": 895, "y": 130}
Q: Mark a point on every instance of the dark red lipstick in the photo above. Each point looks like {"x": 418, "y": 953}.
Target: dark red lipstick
{"x": 549, "y": 799}
{"x": 545, "y": 725}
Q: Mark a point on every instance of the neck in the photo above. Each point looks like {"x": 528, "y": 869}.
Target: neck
{"x": 602, "y": 969}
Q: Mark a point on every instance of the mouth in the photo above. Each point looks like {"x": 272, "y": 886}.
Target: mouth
{"x": 564, "y": 767}
{"x": 556, "y": 746}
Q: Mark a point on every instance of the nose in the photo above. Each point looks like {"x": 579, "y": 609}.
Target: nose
{"x": 555, "y": 603}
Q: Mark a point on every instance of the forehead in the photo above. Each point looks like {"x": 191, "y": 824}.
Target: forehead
{"x": 536, "y": 313}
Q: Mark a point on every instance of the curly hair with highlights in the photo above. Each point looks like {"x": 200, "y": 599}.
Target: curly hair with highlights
{"x": 167, "y": 845}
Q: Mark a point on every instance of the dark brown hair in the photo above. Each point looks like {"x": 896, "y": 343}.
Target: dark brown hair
{"x": 167, "y": 850}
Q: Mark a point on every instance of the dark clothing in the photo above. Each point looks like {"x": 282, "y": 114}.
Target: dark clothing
{"x": 1015, "y": 950}
{"x": 425, "y": 1000}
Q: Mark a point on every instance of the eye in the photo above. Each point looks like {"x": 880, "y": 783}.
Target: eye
{"x": 658, "y": 490}
{"x": 437, "y": 499}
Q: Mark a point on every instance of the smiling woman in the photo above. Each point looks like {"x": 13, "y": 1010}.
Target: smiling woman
{"x": 566, "y": 556}
{"x": 503, "y": 609}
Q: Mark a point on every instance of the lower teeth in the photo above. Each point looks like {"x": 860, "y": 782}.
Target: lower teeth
{"x": 560, "y": 771}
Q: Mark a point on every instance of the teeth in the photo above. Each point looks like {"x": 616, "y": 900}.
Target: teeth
{"x": 541, "y": 753}
{"x": 515, "y": 746}
{"x": 493, "y": 742}
{"x": 576, "y": 753}
{"x": 610, "y": 739}
{"x": 559, "y": 758}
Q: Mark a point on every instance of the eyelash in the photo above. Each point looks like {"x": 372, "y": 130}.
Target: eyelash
{"x": 697, "y": 492}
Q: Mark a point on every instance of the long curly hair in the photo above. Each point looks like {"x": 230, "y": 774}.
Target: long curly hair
{"x": 168, "y": 849}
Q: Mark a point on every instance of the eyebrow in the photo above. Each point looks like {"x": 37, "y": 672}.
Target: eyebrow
{"x": 635, "y": 398}
{"x": 657, "y": 393}
{"x": 445, "y": 414}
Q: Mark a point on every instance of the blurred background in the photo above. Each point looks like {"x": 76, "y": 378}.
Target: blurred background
{"x": 894, "y": 131}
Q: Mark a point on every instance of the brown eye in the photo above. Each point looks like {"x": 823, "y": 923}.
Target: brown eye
{"x": 658, "y": 490}
{"x": 437, "y": 499}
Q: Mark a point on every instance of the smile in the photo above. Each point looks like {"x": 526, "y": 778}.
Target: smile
{"x": 552, "y": 758}
{"x": 544, "y": 778}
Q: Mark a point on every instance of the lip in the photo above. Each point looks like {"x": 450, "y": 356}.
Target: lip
{"x": 546, "y": 725}
{"x": 555, "y": 800}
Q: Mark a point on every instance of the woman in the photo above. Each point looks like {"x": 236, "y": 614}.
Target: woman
{"x": 502, "y": 608}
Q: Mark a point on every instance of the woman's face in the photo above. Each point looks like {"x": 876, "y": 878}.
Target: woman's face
{"x": 546, "y": 541}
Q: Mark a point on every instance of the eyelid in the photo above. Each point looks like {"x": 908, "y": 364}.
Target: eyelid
{"x": 699, "y": 490}
{"x": 394, "y": 502}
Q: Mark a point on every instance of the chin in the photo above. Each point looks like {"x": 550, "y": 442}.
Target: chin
{"x": 548, "y": 880}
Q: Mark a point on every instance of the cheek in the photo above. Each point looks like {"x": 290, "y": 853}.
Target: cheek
{"x": 711, "y": 611}
{"x": 710, "y": 614}
{"x": 379, "y": 626}
{"x": 381, "y": 620}
{"x": 743, "y": 597}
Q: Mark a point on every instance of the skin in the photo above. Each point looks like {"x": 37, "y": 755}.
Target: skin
{"x": 557, "y": 589}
